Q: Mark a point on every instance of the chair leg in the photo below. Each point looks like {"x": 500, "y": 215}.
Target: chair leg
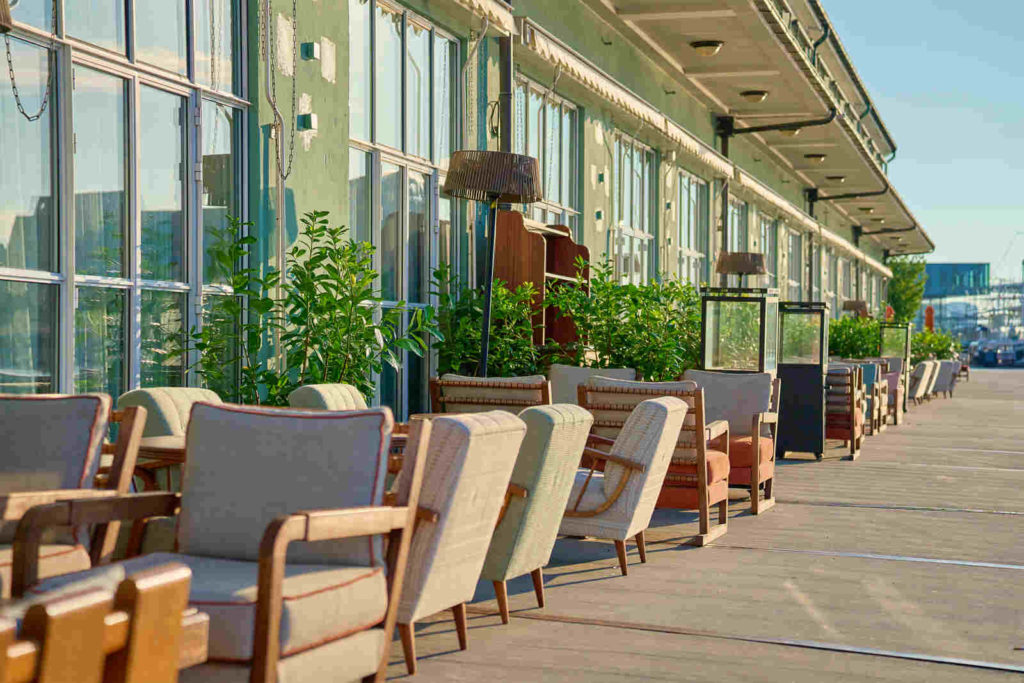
{"x": 641, "y": 547}
{"x": 723, "y": 512}
{"x": 755, "y": 498}
{"x": 408, "y": 634}
{"x": 459, "y": 614}
{"x": 501, "y": 593}
{"x": 620, "y": 549}
{"x": 538, "y": 585}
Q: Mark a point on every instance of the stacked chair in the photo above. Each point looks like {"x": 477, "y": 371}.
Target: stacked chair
{"x": 749, "y": 403}
{"x": 845, "y": 406}
{"x": 698, "y": 474}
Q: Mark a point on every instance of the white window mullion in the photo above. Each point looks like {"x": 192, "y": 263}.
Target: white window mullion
{"x": 65, "y": 161}
{"x": 133, "y": 360}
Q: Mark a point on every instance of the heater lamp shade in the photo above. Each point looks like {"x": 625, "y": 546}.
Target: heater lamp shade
{"x": 858, "y": 306}
{"x": 484, "y": 176}
{"x": 740, "y": 263}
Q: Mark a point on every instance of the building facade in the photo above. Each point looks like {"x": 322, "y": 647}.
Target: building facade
{"x": 666, "y": 133}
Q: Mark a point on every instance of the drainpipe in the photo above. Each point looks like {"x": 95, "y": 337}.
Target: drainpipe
{"x": 857, "y": 195}
{"x": 868, "y": 108}
{"x": 826, "y": 34}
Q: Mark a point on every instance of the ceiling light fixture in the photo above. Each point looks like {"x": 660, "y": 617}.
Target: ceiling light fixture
{"x": 816, "y": 158}
{"x": 790, "y": 132}
{"x": 754, "y": 96}
{"x": 707, "y": 48}
{"x": 836, "y": 178}
{"x": 877, "y": 220}
{"x": 867, "y": 209}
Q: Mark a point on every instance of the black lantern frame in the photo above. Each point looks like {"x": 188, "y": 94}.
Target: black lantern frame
{"x": 802, "y": 375}
{"x": 898, "y": 334}
{"x": 718, "y": 299}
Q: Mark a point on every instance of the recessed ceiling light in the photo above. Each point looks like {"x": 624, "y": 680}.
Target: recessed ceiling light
{"x": 877, "y": 220}
{"x": 816, "y": 158}
{"x": 867, "y": 209}
{"x": 707, "y": 48}
{"x": 790, "y": 132}
{"x": 836, "y": 178}
{"x": 754, "y": 96}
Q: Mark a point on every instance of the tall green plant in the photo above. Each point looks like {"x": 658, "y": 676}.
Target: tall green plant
{"x": 936, "y": 345}
{"x": 906, "y": 288}
{"x": 853, "y": 337}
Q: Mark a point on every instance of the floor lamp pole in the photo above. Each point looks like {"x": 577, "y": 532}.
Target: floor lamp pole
{"x": 485, "y": 336}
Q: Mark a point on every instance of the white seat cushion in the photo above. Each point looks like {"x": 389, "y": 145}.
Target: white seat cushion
{"x": 321, "y": 603}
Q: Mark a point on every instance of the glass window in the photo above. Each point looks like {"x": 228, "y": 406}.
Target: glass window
{"x": 445, "y": 64}
{"x": 692, "y": 227}
{"x": 163, "y": 337}
{"x": 418, "y": 256}
{"x": 215, "y": 22}
{"x": 100, "y": 340}
{"x": 816, "y": 272}
{"x": 391, "y": 230}
{"x": 738, "y": 226}
{"x": 796, "y": 263}
{"x": 161, "y": 35}
{"x": 100, "y": 22}
{"x": 360, "y": 90}
{"x": 28, "y": 338}
{"x": 388, "y": 74}
{"x": 633, "y": 181}
{"x": 162, "y": 155}
{"x": 27, "y": 204}
{"x": 220, "y": 193}
{"x": 359, "y": 195}
{"x": 418, "y": 95}
{"x": 38, "y": 14}
{"x": 770, "y": 248}
{"x": 101, "y": 207}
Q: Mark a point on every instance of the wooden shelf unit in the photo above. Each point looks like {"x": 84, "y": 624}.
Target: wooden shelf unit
{"x": 529, "y": 251}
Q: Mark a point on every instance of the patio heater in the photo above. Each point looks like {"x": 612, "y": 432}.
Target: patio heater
{"x": 858, "y": 307}
{"x": 739, "y": 326}
{"x": 894, "y": 342}
{"x": 494, "y": 178}
{"x": 803, "y": 364}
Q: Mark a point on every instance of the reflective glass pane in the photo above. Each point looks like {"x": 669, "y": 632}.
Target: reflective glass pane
{"x": 220, "y": 195}
{"x": 445, "y": 60}
{"x": 163, "y": 338}
{"x": 568, "y": 165}
{"x": 359, "y": 196}
{"x": 388, "y": 72}
{"x": 801, "y": 338}
{"x": 418, "y": 255}
{"x": 390, "y": 229}
{"x": 626, "y": 186}
{"x": 100, "y": 340}
{"x": 638, "y": 188}
{"x": 28, "y": 337}
{"x": 100, "y": 22}
{"x": 215, "y": 40}
{"x": 38, "y": 13}
{"x": 161, "y": 34}
{"x": 27, "y": 204}
{"x": 417, "y": 96}
{"x": 417, "y": 377}
{"x": 218, "y": 314}
{"x": 771, "y": 335}
{"x": 732, "y": 335}
{"x": 552, "y": 151}
{"x": 445, "y": 237}
{"x": 534, "y": 127}
{"x": 360, "y": 92}
{"x": 519, "y": 141}
{"x": 162, "y": 183}
{"x": 101, "y": 209}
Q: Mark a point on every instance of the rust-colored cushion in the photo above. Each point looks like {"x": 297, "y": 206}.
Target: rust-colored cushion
{"x": 678, "y": 496}
{"x": 684, "y": 466}
{"x": 740, "y": 476}
{"x": 741, "y": 450}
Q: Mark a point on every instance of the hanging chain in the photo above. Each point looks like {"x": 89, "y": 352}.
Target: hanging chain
{"x": 49, "y": 70}
{"x": 287, "y": 170}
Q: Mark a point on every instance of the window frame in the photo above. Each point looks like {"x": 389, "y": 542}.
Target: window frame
{"x": 689, "y": 257}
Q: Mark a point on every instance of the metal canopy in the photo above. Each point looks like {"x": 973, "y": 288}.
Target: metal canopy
{"x": 765, "y": 50}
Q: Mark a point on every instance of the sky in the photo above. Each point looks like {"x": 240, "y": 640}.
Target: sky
{"x": 947, "y": 77}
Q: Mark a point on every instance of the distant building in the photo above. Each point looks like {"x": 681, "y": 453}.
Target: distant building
{"x": 956, "y": 279}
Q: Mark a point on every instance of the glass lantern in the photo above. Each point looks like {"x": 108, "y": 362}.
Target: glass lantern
{"x": 895, "y": 340}
{"x": 803, "y": 364}
{"x": 739, "y": 329}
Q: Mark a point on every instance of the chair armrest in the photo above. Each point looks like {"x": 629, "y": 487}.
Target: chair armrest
{"x": 13, "y": 506}
{"x": 715, "y": 429}
{"x": 328, "y": 525}
{"x": 595, "y": 440}
{"x": 768, "y": 418}
{"x": 618, "y": 460}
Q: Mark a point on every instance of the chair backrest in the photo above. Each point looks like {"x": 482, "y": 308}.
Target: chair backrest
{"x": 565, "y": 379}
{"x": 50, "y": 442}
{"x": 735, "y": 396}
{"x": 921, "y": 378}
{"x": 469, "y": 464}
{"x": 545, "y": 467}
{"x": 934, "y": 378}
{"x": 870, "y": 373}
{"x": 612, "y": 401}
{"x": 895, "y": 363}
{"x": 460, "y": 394}
{"x": 947, "y": 375}
{"x": 167, "y": 408}
{"x": 840, "y": 382}
{"x": 246, "y": 466}
{"x": 649, "y": 437}
{"x": 327, "y": 397}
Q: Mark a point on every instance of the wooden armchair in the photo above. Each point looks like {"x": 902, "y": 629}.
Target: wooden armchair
{"x": 897, "y": 378}
{"x": 139, "y": 629}
{"x": 542, "y": 479}
{"x": 749, "y": 403}
{"x": 876, "y": 396}
{"x": 920, "y": 379}
{"x": 290, "y": 561}
{"x": 698, "y": 474}
{"x": 458, "y": 394}
{"x": 845, "y": 406}
{"x": 467, "y": 472}
{"x": 53, "y": 446}
{"x": 618, "y": 502}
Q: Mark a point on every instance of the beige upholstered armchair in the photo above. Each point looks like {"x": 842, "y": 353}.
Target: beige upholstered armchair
{"x": 538, "y": 493}
{"x": 920, "y": 379}
{"x": 617, "y": 503}
{"x": 468, "y": 468}
{"x": 749, "y": 402}
{"x": 458, "y": 394}
{"x": 947, "y": 376}
{"x": 327, "y": 397}
{"x": 52, "y": 446}
{"x": 289, "y": 561}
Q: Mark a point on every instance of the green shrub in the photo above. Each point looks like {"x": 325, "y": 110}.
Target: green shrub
{"x": 938, "y": 345}
{"x": 853, "y": 337}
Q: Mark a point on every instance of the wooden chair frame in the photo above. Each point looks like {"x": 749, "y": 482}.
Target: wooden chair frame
{"x": 853, "y": 390}
{"x": 770, "y": 418}
{"x": 301, "y": 527}
{"x": 715, "y": 431}
{"x": 439, "y": 402}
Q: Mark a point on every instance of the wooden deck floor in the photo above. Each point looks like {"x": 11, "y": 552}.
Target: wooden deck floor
{"x": 905, "y": 565}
